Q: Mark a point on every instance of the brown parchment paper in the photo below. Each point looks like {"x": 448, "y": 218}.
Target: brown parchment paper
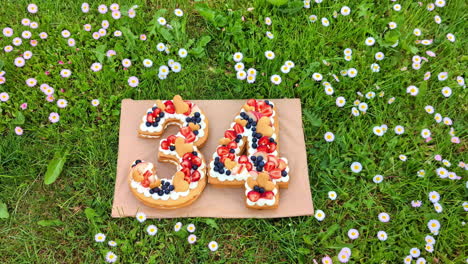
{"x": 214, "y": 202}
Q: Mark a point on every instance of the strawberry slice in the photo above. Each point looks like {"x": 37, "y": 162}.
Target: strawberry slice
{"x": 190, "y": 138}
{"x": 195, "y": 176}
{"x": 271, "y": 147}
{"x": 260, "y": 105}
{"x": 232, "y": 145}
{"x": 273, "y": 159}
{"x": 145, "y": 183}
{"x": 186, "y": 164}
{"x": 241, "y": 168}
{"x": 170, "y": 108}
{"x": 257, "y": 115}
{"x": 275, "y": 174}
{"x": 156, "y": 112}
{"x": 248, "y": 166}
{"x": 165, "y": 144}
{"x": 186, "y": 171}
{"x": 268, "y": 195}
{"x": 147, "y": 174}
{"x": 171, "y": 139}
{"x": 251, "y": 114}
{"x": 231, "y": 134}
{"x": 187, "y": 156}
{"x": 185, "y": 131}
{"x": 252, "y": 102}
{"x": 231, "y": 156}
{"x": 222, "y": 150}
{"x": 243, "y": 159}
{"x": 270, "y": 165}
{"x": 190, "y": 108}
{"x": 238, "y": 128}
{"x": 262, "y": 148}
{"x": 253, "y": 196}
{"x": 196, "y": 161}
{"x": 149, "y": 117}
{"x": 263, "y": 141}
{"x": 282, "y": 165}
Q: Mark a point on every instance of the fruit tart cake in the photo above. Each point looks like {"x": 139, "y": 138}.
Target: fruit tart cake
{"x": 181, "y": 149}
{"x": 248, "y": 155}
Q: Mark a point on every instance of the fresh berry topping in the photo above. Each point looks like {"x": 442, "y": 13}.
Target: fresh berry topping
{"x": 170, "y": 108}
{"x": 275, "y": 174}
{"x": 282, "y": 164}
{"x": 243, "y": 159}
{"x": 269, "y": 166}
{"x": 149, "y": 118}
{"x": 256, "y": 188}
{"x": 187, "y": 156}
{"x": 268, "y": 195}
{"x": 195, "y": 176}
{"x": 231, "y": 134}
{"x": 148, "y": 124}
{"x": 252, "y": 102}
{"x": 271, "y": 147}
{"x": 147, "y": 174}
{"x": 222, "y": 150}
{"x": 241, "y": 168}
{"x": 197, "y": 161}
{"x": 261, "y": 190}
{"x": 284, "y": 173}
{"x": 137, "y": 161}
{"x": 186, "y": 171}
{"x": 253, "y": 196}
{"x": 231, "y": 156}
{"x": 156, "y": 112}
{"x": 171, "y": 139}
{"x": 262, "y": 148}
{"x": 263, "y": 141}
{"x": 185, "y": 131}
{"x": 196, "y": 114}
{"x": 190, "y": 137}
{"x": 186, "y": 164}
{"x": 145, "y": 183}
{"x": 238, "y": 128}
{"x": 274, "y": 159}
{"x": 172, "y": 148}
{"x": 165, "y": 144}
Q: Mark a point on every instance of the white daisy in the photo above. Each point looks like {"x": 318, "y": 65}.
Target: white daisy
{"x": 384, "y": 217}
{"x": 356, "y": 167}
{"x": 378, "y": 178}
{"x": 332, "y": 195}
{"x": 269, "y": 54}
{"x": 275, "y": 79}
{"x": 340, "y": 101}
{"x": 414, "y": 252}
{"x": 446, "y": 91}
{"x": 100, "y": 237}
{"x": 329, "y": 137}
{"x": 111, "y": 257}
{"x": 192, "y": 238}
{"x": 177, "y": 226}
{"x": 353, "y": 234}
{"x": 352, "y": 72}
{"x": 141, "y": 217}
{"x": 213, "y": 245}
{"x": 182, "y": 53}
{"x": 191, "y": 228}
{"x": 382, "y": 235}
{"x": 425, "y": 133}
{"x": 237, "y": 57}
{"x": 152, "y": 230}
{"x": 370, "y": 41}
{"x": 319, "y": 215}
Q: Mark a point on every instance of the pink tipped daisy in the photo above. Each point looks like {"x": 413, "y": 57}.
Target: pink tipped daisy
{"x": 54, "y": 117}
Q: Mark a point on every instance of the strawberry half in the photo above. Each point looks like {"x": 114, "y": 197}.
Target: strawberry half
{"x": 268, "y": 195}
{"x": 252, "y": 102}
{"x": 156, "y": 112}
{"x": 243, "y": 159}
{"x": 170, "y": 108}
{"x": 171, "y": 139}
{"x": 270, "y": 165}
{"x": 232, "y": 145}
{"x": 165, "y": 144}
{"x": 275, "y": 174}
{"x": 282, "y": 164}
{"x": 196, "y": 161}
{"x": 253, "y": 196}
{"x": 149, "y": 117}
{"x": 190, "y": 138}
{"x": 222, "y": 150}
{"x": 195, "y": 176}
{"x": 185, "y": 131}
{"x": 231, "y": 134}
{"x": 186, "y": 164}
{"x": 263, "y": 141}
{"x": 271, "y": 147}
{"x": 238, "y": 128}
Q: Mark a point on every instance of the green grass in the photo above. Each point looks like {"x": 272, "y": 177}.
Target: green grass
{"x": 91, "y": 134}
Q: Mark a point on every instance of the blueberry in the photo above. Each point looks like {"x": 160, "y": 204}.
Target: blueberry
{"x": 216, "y": 168}
{"x": 167, "y": 191}
{"x": 155, "y": 124}
{"x": 194, "y": 153}
{"x": 188, "y": 119}
{"x": 158, "y": 119}
{"x": 228, "y": 172}
{"x": 254, "y": 145}
{"x": 258, "y": 135}
{"x": 172, "y": 148}
{"x": 259, "y": 169}
{"x": 161, "y": 193}
{"x": 254, "y": 123}
{"x": 221, "y": 171}
{"x": 217, "y": 159}
{"x": 149, "y": 113}
{"x": 171, "y": 187}
{"x": 260, "y": 158}
{"x": 162, "y": 182}
{"x": 254, "y": 129}
{"x": 250, "y": 120}
{"x": 267, "y": 102}
{"x": 239, "y": 136}
{"x": 195, "y": 132}
{"x": 256, "y": 188}
{"x": 154, "y": 108}
{"x": 167, "y": 184}
{"x": 198, "y": 119}
{"x": 254, "y": 140}
{"x": 197, "y": 114}
{"x": 232, "y": 150}
{"x": 284, "y": 173}
{"x": 243, "y": 114}
{"x": 248, "y": 126}
{"x": 163, "y": 187}
{"x": 151, "y": 191}
{"x": 261, "y": 190}
{"x": 253, "y": 158}
{"x": 137, "y": 161}
{"x": 156, "y": 190}
{"x": 194, "y": 167}
{"x": 161, "y": 114}
{"x": 237, "y": 140}
{"x": 148, "y": 124}
{"x": 261, "y": 163}
{"x": 272, "y": 140}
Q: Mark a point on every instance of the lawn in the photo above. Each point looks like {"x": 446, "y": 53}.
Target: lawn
{"x": 57, "y": 223}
